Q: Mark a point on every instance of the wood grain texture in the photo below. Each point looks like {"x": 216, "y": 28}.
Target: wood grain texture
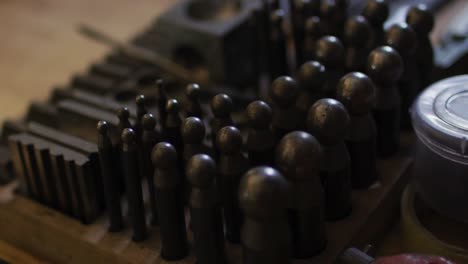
{"x": 14, "y": 255}
{"x": 40, "y": 47}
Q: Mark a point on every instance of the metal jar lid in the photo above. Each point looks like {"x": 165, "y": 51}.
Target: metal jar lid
{"x": 440, "y": 118}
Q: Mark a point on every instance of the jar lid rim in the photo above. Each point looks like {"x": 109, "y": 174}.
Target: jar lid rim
{"x": 440, "y": 115}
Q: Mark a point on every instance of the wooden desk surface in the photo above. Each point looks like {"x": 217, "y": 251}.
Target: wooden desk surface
{"x": 40, "y": 47}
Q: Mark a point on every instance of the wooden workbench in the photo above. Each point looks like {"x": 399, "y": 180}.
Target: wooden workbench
{"x": 40, "y": 47}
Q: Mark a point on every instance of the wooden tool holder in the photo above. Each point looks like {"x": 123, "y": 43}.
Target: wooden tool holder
{"x": 55, "y": 237}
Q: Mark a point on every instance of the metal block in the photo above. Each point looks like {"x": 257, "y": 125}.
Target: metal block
{"x": 57, "y": 176}
{"x": 216, "y": 35}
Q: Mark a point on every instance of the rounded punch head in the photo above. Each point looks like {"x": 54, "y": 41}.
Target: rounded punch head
{"x": 402, "y": 37}
{"x": 149, "y": 122}
{"x": 263, "y": 193}
{"x": 303, "y": 5}
{"x": 356, "y": 91}
{"x": 328, "y": 8}
{"x": 221, "y": 105}
{"x": 259, "y": 114}
{"x": 376, "y": 12}
{"x": 385, "y": 65}
{"x": 160, "y": 84}
{"x": 123, "y": 113}
{"x": 357, "y": 31}
{"x": 192, "y": 91}
{"x": 103, "y": 127}
{"x": 313, "y": 26}
{"x": 164, "y": 155}
{"x": 201, "y": 170}
{"x": 193, "y": 130}
{"x": 160, "y": 89}
{"x": 277, "y": 17}
{"x": 330, "y": 51}
{"x": 284, "y": 91}
{"x": 328, "y": 120}
{"x": 311, "y": 75}
{"x": 172, "y": 106}
{"x": 298, "y": 153}
{"x": 128, "y": 136}
{"x": 306, "y": 7}
{"x": 229, "y": 140}
{"x": 420, "y": 19}
{"x": 140, "y": 101}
